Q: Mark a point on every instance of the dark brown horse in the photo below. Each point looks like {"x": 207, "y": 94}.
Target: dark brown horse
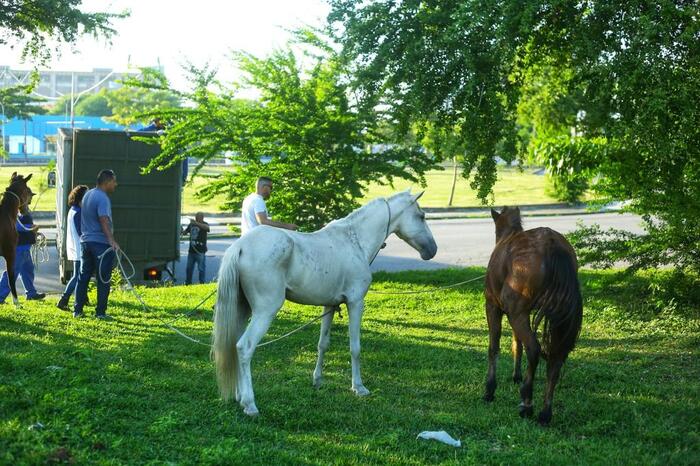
{"x": 14, "y": 196}
{"x": 533, "y": 270}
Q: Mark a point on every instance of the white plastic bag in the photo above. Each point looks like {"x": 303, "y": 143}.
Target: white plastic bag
{"x": 440, "y": 436}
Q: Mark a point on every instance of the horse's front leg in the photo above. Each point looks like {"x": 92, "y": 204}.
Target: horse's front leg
{"x": 324, "y": 342}
{"x": 355, "y": 310}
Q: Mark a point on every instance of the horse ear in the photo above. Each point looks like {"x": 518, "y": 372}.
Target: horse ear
{"x": 14, "y": 175}
{"x": 494, "y": 215}
{"x": 29, "y": 177}
{"x": 417, "y": 196}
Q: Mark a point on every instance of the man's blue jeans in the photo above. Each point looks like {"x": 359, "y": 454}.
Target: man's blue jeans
{"x": 90, "y": 263}
{"x": 199, "y": 259}
{"x": 24, "y": 268}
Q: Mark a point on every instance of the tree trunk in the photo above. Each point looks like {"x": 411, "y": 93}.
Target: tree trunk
{"x": 454, "y": 181}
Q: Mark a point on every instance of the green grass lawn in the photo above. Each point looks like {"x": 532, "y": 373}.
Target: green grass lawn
{"x": 132, "y": 392}
{"x": 512, "y": 188}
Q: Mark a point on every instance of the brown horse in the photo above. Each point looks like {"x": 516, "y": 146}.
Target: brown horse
{"x": 532, "y": 270}
{"x": 14, "y": 196}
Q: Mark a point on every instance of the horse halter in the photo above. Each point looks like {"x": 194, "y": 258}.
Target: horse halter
{"x": 388, "y": 224}
{"x": 7, "y": 191}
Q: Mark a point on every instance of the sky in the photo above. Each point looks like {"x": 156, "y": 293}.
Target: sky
{"x": 172, "y": 33}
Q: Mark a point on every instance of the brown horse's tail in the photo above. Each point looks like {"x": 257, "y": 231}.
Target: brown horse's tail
{"x": 560, "y": 304}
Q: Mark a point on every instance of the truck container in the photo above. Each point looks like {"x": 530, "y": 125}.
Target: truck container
{"x": 145, "y": 207}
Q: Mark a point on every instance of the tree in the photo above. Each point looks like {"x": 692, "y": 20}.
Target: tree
{"x": 33, "y": 23}
{"x": 137, "y": 104}
{"x": 18, "y": 102}
{"x": 625, "y": 77}
{"x": 304, "y": 132}
{"x": 94, "y": 104}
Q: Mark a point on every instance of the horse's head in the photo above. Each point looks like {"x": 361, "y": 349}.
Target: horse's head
{"x": 507, "y": 221}
{"x": 18, "y": 187}
{"x": 410, "y": 224}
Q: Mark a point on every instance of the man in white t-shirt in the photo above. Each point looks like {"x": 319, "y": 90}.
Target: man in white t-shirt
{"x": 254, "y": 210}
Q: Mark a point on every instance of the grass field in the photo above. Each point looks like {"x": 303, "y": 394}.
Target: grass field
{"x": 132, "y": 392}
{"x": 513, "y": 187}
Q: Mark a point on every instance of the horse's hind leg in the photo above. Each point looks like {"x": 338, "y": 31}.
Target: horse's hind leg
{"x": 494, "y": 317}
{"x": 324, "y": 342}
{"x": 517, "y": 349}
{"x": 243, "y": 315}
{"x": 259, "y": 323}
{"x": 554, "y": 364}
{"x": 519, "y": 318}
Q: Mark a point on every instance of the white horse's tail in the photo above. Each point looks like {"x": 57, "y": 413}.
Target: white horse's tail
{"x": 225, "y": 325}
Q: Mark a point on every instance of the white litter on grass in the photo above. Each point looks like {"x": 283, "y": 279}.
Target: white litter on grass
{"x": 440, "y": 436}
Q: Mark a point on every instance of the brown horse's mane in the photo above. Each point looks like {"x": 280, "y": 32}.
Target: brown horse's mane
{"x": 9, "y": 203}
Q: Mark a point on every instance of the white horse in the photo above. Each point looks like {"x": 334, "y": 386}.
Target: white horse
{"x": 328, "y": 267}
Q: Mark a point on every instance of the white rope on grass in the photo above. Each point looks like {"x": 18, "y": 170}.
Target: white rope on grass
{"x": 431, "y": 290}
{"x": 130, "y": 287}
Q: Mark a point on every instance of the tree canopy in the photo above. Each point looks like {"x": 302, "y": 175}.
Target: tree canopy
{"x": 303, "y": 131}
{"x": 603, "y": 92}
{"x": 33, "y": 24}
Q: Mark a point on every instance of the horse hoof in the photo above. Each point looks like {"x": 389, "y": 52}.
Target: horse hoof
{"x": 517, "y": 378}
{"x": 544, "y": 418}
{"x": 360, "y": 390}
{"x": 488, "y": 397}
{"x": 318, "y": 382}
{"x": 251, "y": 411}
{"x": 525, "y": 411}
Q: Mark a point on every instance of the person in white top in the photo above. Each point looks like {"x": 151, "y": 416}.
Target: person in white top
{"x": 254, "y": 210}
{"x": 75, "y": 201}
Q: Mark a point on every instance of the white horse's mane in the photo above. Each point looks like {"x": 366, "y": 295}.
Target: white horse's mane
{"x": 352, "y": 216}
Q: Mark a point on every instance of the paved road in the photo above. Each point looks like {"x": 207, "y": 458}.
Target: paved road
{"x": 462, "y": 242}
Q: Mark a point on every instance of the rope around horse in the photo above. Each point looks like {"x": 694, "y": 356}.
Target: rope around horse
{"x": 130, "y": 287}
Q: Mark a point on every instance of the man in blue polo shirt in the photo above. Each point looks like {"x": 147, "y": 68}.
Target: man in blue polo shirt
{"x": 97, "y": 244}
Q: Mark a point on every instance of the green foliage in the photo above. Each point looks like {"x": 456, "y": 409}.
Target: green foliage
{"x": 133, "y": 392}
{"x": 36, "y": 23}
{"x": 96, "y": 104}
{"x": 304, "y": 132}
{"x": 92, "y": 104}
{"x": 18, "y": 101}
{"x": 132, "y": 105}
{"x": 442, "y": 62}
{"x": 610, "y": 87}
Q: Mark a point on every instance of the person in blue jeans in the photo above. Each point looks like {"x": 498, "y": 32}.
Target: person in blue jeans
{"x": 73, "y": 250}
{"x": 97, "y": 244}
{"x": 198, "y": 230}
{"x": 24, "y": 267}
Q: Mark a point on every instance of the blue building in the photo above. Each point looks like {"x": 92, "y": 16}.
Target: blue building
{"x": 34, "y": 140}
